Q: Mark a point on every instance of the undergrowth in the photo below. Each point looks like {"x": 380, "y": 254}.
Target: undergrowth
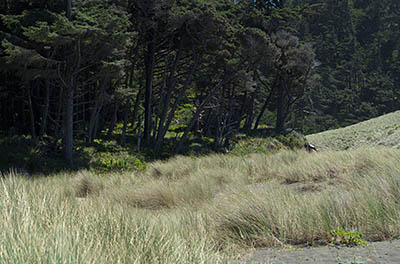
{"x": 106, "y": 155}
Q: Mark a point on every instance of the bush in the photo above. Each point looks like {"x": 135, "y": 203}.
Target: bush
{"x": 112, "y": 161}
{"x": 293, "y": 140}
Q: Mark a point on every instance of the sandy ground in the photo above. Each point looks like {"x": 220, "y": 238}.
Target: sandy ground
{"x": 373, "y": 252}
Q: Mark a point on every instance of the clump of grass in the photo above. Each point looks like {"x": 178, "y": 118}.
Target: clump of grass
{"x": 173, "y": 169}
{"x": 43, "y": 226}
{"x": 361, "y": 196}
{"x": 195, "y": 188}
{"x": 85, "y": 184}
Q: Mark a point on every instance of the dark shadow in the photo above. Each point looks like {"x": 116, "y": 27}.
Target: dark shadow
{"x": 105, "y": 154}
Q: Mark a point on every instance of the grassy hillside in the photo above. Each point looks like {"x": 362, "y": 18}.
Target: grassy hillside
{"x": 201, "y": 210}
{"x": 383, "y": 130}
{"x": 210, "y": 209}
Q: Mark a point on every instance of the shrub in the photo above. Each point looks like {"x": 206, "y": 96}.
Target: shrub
{"x": 293, "y": 140}
{"x": 341, "y": 237}
{"x": 104, "y": 162}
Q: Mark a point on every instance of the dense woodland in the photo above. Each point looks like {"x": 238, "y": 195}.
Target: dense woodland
{"x": 82, "y": 70}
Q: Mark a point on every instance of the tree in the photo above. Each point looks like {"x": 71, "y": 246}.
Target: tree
{"x": 93, "y": 38}
{"x": 294, "y": 66}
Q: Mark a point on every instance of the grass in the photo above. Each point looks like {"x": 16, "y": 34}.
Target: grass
{"x": 200, "y": 210}
{"x": 383, "y": 130}
{"x": 209, "y": 209}
{"x": 43, "y": 222}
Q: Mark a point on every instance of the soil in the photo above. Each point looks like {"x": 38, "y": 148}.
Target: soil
{"x": 374, "y": 252}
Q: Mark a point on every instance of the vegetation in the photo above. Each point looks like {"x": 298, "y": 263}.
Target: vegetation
{"x": 74, "y": 72}
{"x": 99, "y": 69}
{"x": 347, "y": 238}
{"x": 79, "y": 71}
{"x": 354, "y": 261}
{"x": 157, "y": 131}
{"x": 380, "y": 131}
{"x": 199, "y": 210}
{"x": 106, "y": 156}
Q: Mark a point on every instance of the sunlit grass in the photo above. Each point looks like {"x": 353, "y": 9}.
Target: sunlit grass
{"x": 383, "y": 130}
{"x": 200, "y": 210}
{"x": 42, "y": 222}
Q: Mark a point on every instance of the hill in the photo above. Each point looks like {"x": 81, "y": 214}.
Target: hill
{"x": 383, "y": 130}
{"x": 218, "y": 208}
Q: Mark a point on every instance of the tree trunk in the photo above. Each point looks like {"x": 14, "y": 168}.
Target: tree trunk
{"x": 114, "y": 119}
{"x": 69, "y": 9}
{"x": 93, "y": 122}
{"x": 207, "y": 123}
{"x": 69, "y": 105}
{"x": 31, "y": 114}
{"x": 264, "y": 107}
{"x": 250, "y": 112}
{"x": 163, "y": 127}
{"x": 99, "y": 124}
{"x": 43, "y": 124}
{"x": 69, "y": 120}
{"x": 149, "y": 65}
{"x": 126, "y": 112}
{"x": 94, "y": 117}
{"x": 280, "y": 115}
{"x": 260, "y": 115}
{"x": 220, "y": 120}
{"x": 136, "y": 109}
{"x": 139, "y": 134}
{"x": 197, "y": 114}
{"x": 129, "y": 84}
{"x": 59, "y": 123}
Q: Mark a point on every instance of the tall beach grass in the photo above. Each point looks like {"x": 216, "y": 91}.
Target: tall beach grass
{"x": 200, "y": 210}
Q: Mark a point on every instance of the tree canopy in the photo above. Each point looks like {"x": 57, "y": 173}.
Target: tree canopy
{"x": 74, "y": 70}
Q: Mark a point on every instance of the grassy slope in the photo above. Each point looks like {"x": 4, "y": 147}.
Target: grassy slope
{"x": 208, "y": 209}
{"x": 383, "y": 130}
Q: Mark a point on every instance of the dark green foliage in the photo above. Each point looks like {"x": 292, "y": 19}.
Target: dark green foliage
{"x": 162, "y": 77}
{"x": 21, "y": 152}
{"x": 356, "y": 43}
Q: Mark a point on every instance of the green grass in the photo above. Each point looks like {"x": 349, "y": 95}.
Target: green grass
{"x": 200, "y": 210}
{"x": 383, "y": 130}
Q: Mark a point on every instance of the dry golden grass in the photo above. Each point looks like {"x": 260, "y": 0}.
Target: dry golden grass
{"x": 43, "y": 222}
{"x": 200, "y": 210}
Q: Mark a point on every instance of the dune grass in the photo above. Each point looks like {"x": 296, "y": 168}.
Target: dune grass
{"x": 200, "y": 210}
{"x": 42, "y": 222}
{"x": 381, "y": 131}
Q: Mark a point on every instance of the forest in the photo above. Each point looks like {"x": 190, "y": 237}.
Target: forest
{"x": 161, "y": 72}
